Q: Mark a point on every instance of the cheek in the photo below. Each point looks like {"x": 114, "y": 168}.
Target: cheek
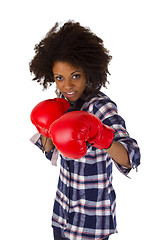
{"x": 58, "y": 84}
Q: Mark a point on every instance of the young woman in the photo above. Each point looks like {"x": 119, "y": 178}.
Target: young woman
{"x": 76, "y": 60}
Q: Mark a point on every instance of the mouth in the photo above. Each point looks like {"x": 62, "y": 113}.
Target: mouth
{"x": 70, "y": 94}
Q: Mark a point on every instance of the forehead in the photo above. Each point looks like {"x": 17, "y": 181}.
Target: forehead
{"x": 61, "y": 67}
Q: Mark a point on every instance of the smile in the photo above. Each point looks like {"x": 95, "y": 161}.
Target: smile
{"x": 70, "y": 93}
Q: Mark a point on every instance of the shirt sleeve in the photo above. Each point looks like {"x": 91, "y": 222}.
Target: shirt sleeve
{"x": 52, "y": 155}
{"x": 107, "y": 112}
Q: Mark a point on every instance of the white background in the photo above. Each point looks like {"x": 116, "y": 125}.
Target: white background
{"x": 130, "y": 30}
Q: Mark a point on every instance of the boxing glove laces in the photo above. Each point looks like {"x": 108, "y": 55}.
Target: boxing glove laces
{"x": 73, "y": 130}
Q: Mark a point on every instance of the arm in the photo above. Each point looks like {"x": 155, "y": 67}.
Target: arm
{"x": 80, "y": 126}
{"x": 52, "y": 154}
{"x": 118, "y": 152}
{"x": 124, "y": 149}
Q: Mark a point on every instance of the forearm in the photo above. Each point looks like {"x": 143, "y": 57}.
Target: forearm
{"x": 118, "y": 152}
{"x": 47, "y": 143}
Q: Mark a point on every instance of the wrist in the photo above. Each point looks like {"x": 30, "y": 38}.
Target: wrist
{"x": 47, "y": 144}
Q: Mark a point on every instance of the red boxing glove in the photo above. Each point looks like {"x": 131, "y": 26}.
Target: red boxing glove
{"x": 71, "y": 132}
{"x": 46, "y": 112}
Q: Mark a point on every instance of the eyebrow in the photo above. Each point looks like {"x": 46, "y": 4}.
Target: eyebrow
{"x": 71, "y": 73}
{"x": 75, "y": 72}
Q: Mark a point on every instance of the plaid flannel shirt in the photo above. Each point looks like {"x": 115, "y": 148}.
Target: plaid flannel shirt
{"x": 85, "y": 202}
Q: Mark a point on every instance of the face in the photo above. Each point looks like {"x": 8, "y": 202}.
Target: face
{"x": 70, "y": 80}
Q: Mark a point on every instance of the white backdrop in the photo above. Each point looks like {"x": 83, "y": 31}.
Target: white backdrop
{"x": 130, "y": 30}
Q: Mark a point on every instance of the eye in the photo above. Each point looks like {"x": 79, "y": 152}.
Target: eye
{"x": 58, "y": 78}
{"x": 76, "y": 76}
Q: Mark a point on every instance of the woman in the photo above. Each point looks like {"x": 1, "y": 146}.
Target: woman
{"x": 76, "y": 60}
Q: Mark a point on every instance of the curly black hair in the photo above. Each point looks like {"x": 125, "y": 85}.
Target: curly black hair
{"x": 74, "y": 44}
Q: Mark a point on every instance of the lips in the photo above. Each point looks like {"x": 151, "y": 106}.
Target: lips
{"x": 70, "y": 94}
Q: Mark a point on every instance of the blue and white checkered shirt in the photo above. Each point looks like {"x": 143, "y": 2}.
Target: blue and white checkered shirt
{"x": 85, "y": 201}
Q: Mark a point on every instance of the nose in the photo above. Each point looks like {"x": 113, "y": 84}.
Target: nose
{"x": 68, "y": 84}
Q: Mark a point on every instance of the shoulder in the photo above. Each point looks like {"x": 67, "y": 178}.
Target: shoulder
{"x": 100, "y": 104}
